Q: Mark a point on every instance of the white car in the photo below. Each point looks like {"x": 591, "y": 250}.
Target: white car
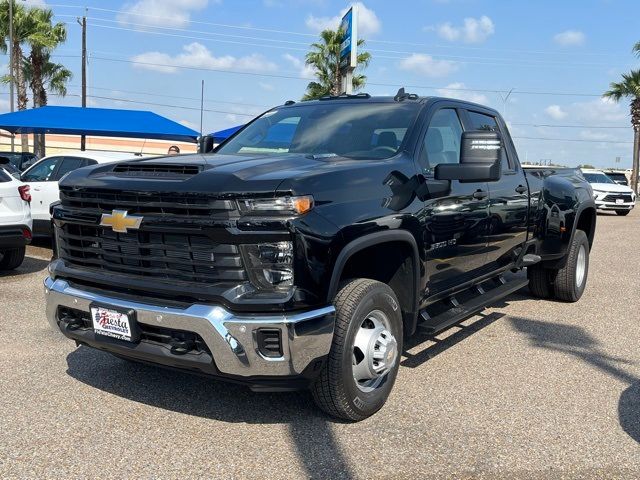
{"x": 608, "y": 194}
{"x": 43, "y": 178}
{"x": 15, "y": 220}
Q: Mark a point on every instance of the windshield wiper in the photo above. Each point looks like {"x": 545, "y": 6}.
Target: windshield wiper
{"x": 320, "y": 156}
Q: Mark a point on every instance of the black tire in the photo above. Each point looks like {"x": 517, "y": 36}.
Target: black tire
{"x": 565, "y": 284}
{"x": 541, "y": 281}
{"x": 623, "y": 213}
{"x": 12, "y": 258}
{"x": 336, "y": 391}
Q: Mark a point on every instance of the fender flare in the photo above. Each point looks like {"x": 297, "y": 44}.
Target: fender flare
{"x": 370, "y": 240}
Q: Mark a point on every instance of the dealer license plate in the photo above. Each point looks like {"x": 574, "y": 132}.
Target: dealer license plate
{"x": 111, "y": 323}
{"x": 619, "y": 200}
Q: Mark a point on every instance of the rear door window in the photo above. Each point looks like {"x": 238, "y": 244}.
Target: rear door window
{"x": 69, "y": 164}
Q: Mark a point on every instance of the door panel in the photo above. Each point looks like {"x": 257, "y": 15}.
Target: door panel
{"x": 508, "y": 197}
{"x": 44, "y": 190}
{"x": 455, "y": 226}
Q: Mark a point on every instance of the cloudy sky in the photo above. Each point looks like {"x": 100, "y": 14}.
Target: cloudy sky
{"x": 556, "y": 59}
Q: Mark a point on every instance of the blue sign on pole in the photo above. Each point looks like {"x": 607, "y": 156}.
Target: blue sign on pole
{"x": 349, "y": 46}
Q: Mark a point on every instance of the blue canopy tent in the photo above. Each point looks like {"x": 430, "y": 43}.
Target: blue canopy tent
{"x": 279, "y": 133}
{"x": 222, "y": 135}
{"x": 103, "y": 122}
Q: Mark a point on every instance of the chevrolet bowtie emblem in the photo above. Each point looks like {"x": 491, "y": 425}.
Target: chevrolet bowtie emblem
{"x": 119, "y": 221}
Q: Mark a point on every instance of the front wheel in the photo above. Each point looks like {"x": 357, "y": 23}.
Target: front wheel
{"x": 623, "y": 213}
{"x": 365, "y": 354}
{"x": 571, "y": 280}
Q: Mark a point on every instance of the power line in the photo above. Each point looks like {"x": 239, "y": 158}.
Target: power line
{"x": 292, "y": 77}
{"x": 582, "y": 140}
{"x": 314, "y": 35}
{"x": 568, "y": 126}
{"x": 463, "y": 59}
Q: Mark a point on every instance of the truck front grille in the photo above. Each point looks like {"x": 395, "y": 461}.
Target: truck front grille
{"x": 191, "y": 257}
{"x": 96, "y": 200}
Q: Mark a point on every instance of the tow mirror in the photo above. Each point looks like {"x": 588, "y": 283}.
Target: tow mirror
{"x": 479, "y": 159}
{"x": 205, "y": 144}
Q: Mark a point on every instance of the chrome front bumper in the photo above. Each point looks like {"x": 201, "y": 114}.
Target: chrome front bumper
{"x": 305, "y": 336}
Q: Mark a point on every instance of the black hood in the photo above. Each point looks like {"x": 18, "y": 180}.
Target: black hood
{"x": 227, "y": 175}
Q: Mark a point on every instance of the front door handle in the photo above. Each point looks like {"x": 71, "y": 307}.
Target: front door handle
{"x": 480, "y": 194}
{"x": 521, "y": 189}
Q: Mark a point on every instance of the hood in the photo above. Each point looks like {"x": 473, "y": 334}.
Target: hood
{"x": 227, "y": 175}
{"x": 611, "y": 187}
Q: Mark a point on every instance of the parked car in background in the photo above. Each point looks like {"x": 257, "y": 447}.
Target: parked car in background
{"x": 608, "y": 194}
{"x": 20, "y": 160}
{"x": 619, "y": 177}
{"x": 15, "y": 220}
{"x": 44, "y": 175}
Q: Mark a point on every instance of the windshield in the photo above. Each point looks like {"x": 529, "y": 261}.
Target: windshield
{"x": 367, "y": 130}
{"x": 597, "y": 178}
{"x": 620, "y": 177}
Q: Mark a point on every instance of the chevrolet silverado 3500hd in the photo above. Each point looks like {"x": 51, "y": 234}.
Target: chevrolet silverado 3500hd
{"x": 303, "y": 250}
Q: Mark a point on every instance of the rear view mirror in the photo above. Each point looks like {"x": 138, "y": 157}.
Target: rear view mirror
{"x": 479, "y": 159}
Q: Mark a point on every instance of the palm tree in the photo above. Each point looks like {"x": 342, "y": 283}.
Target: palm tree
{"x": 22, "y": 28}
{"x": 52, "y": 77}
{"x": 324, "y": 57}
{"x": 39, "y": 71}
{"x": 629, "y": 88}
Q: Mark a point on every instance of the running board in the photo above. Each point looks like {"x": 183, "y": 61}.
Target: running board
{"x": 459, "y": 312}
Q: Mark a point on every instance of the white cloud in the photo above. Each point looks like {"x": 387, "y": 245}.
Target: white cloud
{"x": 189, "y": 124}
{"x": 556, "y": 112}
{"x": 161, "y": 13}
{"x": 305, "y": 71}
{"x": 570, "y": 38}
{"x": 428, "y": 66}
{"x": 35, "y": 3}
{"x": 368, "y": 21}
{"x": 600, "y": 110}
{"x": 457, "y": 90}
{"x": 594, "y": 135}
{"x": 267, "y": 87}
{"x": 196, "y": 55}
{"x": 474, "y": 30}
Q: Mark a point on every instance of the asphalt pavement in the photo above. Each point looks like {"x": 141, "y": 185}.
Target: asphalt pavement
{"x": 528, "y": 389}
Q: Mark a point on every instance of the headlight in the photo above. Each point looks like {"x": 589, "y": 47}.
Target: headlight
{"x": 277, "y": 206}
{"x": 269, "y": 265}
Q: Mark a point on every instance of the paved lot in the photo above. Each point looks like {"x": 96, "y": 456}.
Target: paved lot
{"x": 531, "y": 389}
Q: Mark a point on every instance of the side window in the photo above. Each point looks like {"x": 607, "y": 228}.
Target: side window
{"x": 43, "y": 171}
{"x": 480, "y": 121}
{"x": 68, "y": 164}
{"x": 27, "y": 161}
{"x": 441, "y": 143}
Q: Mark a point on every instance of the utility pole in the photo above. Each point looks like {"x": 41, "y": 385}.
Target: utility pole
{"x": 201, "y": 106}
{"x": 505, "y": 99}
{"x": 11, "y": 95}
{"x": 83, "y": 23}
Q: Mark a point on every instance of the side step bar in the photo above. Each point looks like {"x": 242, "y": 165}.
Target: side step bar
{"x": 459, "y": 312}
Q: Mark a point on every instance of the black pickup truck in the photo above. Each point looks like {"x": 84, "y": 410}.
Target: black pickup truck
{"x": 303, "y": 250}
